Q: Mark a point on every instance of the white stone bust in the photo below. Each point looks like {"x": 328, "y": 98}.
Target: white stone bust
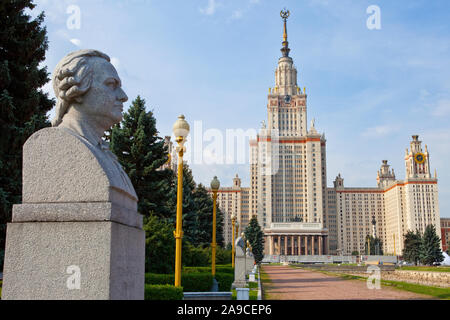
{"x": 70, "y": 162}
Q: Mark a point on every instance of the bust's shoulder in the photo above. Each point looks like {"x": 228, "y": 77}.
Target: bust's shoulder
{"x": 58, "y": 135}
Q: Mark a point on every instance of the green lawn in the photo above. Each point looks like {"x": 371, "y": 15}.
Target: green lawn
{"x": 265, "y": 283}
{"x": 419, "y": 268}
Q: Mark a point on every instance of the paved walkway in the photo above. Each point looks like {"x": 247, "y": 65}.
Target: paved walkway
{"x": 299, "y": 284}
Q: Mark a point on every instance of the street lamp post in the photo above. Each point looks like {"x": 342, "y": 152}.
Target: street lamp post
{"x": 181, "y": 131}
{"x": 233, "y": 223}
{"x": 215, "y": 185}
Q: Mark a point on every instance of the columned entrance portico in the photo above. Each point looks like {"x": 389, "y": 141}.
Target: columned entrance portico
{"x": 296, "y": 239}
{"x": 294, "y": 244}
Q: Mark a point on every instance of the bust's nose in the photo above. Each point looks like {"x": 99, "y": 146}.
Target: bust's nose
{"x": 122, "y": 97}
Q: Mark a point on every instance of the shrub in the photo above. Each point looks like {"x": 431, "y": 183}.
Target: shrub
{"x": 156, "y": 278}
{"x": 163, "y": 292}
{"x": 191, "y": 282}
{"x": 225, "y": 281}
{"x": 225, "y": 269}
{"x": 223, "y": 256}
{"x": 159, "y": 246}
{"x": 194, "y": 256}
{"x": 219, "y": 268}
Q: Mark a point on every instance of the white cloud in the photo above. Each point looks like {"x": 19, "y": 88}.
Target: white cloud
{"x": 210, "y": 9}
{"x": 76, "y": 42}
{"x": 379, "y": 131}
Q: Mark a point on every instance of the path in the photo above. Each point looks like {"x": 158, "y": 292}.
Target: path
{"x": 300, "y": 284}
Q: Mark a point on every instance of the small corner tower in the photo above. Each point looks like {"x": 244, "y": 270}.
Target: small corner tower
{"x": 384, "y": 175}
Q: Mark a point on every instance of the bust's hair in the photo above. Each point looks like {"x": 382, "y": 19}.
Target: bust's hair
{"x": 72, "y": 78}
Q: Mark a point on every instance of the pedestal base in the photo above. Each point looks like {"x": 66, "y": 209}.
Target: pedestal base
{"x": 74, "y": 261}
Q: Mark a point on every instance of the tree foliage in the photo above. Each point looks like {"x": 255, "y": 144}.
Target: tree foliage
{"x": 430, "y": 250}
{"x": 23, "y": 105}
{"x": 197, "y": 212}
{"x": 255, "y": 236}
{"x": 142, "y": 153}
{"x": 159, "y": 245}
{"x": 411, "y": 247}
{"x": 422, "y": 248}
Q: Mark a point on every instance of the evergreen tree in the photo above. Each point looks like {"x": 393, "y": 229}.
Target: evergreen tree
{"x": 23, "y": 105}
{"x": 189, "y": 220}
{"x": 430, "y": 250}
{"x": 255, "y": 236}
{"x": 412, "y": 246}
{"x": 142, "y": 153}
{"x": 204, "y": 208}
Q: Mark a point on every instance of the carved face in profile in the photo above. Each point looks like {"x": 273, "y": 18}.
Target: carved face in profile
{"x": 105, "y": 98}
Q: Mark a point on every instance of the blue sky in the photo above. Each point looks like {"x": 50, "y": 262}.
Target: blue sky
{"x": 214, "y": 60}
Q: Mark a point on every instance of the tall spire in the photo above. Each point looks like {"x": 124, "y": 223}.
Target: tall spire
{"x": 285, "y": 50}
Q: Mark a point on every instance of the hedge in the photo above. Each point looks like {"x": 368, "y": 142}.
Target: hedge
{"x": 163, "y": 292}
{"x": 191, "y": 282}
{"x": 225, "y": 281}
{"x": 223, "y": 269}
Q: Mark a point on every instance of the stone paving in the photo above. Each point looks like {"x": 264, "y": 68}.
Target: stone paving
{"x": 300, "y": 284}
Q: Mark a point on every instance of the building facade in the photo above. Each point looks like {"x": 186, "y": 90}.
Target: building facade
{"x": 445, "y": 234}
{"x": 288, "y": 185}
{"x": 233, "y": 201}
{"x": 288, "y": 169}
{"x": 396, "y": 205}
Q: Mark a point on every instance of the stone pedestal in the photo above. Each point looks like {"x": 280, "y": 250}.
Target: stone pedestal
{"x": 77, "y": 234}
{"x": 242, "y": 294}
{"x": 73, "y": 261}
{"x": 240, "y": 265}
{"x": 250, "y": 263}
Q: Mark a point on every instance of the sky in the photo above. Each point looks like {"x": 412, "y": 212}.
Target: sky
{"x": 369, "y": 90}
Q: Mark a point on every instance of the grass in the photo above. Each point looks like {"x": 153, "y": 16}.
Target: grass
{"x": 265, "y": 284}
{"x": 432, "y": 269}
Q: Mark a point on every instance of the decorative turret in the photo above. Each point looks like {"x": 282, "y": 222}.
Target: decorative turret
{"x": 384, "y": 175}
{"x": 339, "y": 182}
{"x": 237, "y": 182}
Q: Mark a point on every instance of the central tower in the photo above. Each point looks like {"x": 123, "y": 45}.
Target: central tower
{"x": 288, "y": 168}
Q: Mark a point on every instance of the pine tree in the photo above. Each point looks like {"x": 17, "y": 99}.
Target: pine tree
{"x": 412, "y": 246}
{"x": 141, "y": 152}
{"x": 23, "y": 105}
{"x": 255, "y": 236}
{"x": 430, "y": 250}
